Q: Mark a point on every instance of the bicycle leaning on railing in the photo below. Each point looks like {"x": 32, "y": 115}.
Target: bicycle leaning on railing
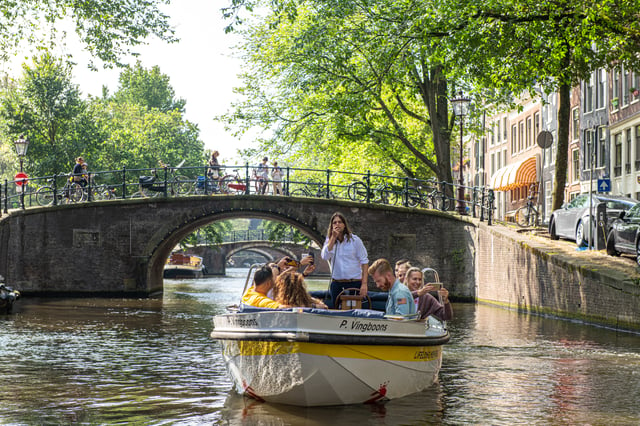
{"x": 527, "y": 215}
{"x": 380, "y": 193}
{"x": 312, "y": 189}
{"x": 427, "y": 197}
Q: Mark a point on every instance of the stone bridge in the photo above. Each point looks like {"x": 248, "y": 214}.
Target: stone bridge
{"x": 215, "y": 257}
{"x": 120, "y": 246}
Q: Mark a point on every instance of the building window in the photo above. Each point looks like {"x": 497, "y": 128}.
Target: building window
{"x": 625, "y": 88}
{"x": 498, "y": 131}
{"x": 493, "y": 163}
{"x": 529, "y": 132}
{"x": 617, "y": 168}
{"x": 635, "y": 86}
{"x": 575, "y": 121}
{"x": 504, "y": 128}
{"x": 601, "y": 149}
{"x": 615, "y": 88}
{"x": 637, "y": 159}
{"x": 575, "y": 159}
{"x": 602, "y": 87}
{"x": 514, "y": 139}
{"x": 521, "y": 136}
{"x": 627, "y": 145}
{"x": 588, "y": 95}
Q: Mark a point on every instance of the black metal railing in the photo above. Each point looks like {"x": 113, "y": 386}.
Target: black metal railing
{"x": 369, "y": 188}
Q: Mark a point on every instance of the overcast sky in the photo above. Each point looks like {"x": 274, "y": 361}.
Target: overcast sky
{"x": 200, "y": 67}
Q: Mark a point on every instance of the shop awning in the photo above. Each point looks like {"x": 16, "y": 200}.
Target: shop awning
{"x": 516, "y": 175}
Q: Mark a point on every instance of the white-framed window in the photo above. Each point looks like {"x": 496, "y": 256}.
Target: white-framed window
{"x": 498, "y": 134}
{"x": 504, "y": 128}
{"x": 617, "y": 155}
{"x": 575, "y": 122}
{"x": 521, "y": 136}
{"x": 575, "y": 161}
{"x": 514, "y": 139}
{"x": 601, "y": 88}
{"x": 588, "y": 94}
{"x": 615, "y": 88}
{"x": 601, "y": 149}
{"x": 625, "y": 88}
{"x": 627, "y": 146}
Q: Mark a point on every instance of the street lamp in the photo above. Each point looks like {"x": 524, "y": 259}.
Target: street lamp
{"x": 460, "y": 109}
{"x": 21, "y": 148}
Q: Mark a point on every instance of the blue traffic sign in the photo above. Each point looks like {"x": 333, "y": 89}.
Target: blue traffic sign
{"x": 604, "y": 185}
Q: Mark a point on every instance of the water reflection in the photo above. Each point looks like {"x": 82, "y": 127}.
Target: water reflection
{"x": 151, "y": 361}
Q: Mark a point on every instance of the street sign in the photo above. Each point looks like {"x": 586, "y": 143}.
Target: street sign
{"x": 20, "y": 178}
{"x": 545, "y": 139}
{"x": 604, "y": 185}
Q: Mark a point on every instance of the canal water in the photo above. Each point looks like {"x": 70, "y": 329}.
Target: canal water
{"x": 151, "y": 361}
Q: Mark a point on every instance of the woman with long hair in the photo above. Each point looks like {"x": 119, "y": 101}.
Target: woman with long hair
{"x": 291, "y": 290}
{"x": 347, "y": 257}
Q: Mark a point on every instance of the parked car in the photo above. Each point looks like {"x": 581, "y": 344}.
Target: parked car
{"x": 572, "y": 220}
{"x": 624, "y": 236}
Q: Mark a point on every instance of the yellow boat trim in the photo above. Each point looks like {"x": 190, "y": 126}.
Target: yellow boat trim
{"x": 390, "y": 353}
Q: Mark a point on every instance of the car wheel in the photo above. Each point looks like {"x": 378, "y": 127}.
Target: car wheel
{"x": 552, "y": 231}
{"x": 611, "y": 245}
{"x": 581, "y": 240}
{"x": 638, "y": 252}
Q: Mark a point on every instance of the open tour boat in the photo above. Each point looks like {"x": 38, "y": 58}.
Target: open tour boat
{"x": 181, "y": 265}
{"x": 316, "y": 357}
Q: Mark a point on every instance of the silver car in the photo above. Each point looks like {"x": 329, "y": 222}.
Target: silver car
{"x": 572, "y": 220}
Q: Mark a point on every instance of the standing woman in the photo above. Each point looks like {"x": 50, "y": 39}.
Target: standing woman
{"x": 347, "y": 256}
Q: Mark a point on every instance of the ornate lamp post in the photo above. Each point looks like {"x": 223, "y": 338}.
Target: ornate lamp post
{"x": 21, "y": 148}
{"x": 460, "y": 109}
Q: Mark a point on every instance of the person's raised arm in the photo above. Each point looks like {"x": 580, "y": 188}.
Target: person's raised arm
{"x": 364, "y": 287}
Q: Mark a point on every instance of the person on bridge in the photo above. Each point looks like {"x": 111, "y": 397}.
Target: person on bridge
{"x": 262, "y": 176}
{"x": 213, "y": 171}
{"x": 263, "y": 281}
{"x": 426, "y": 304}
{"x": 400, "y": 301}
{"x": 347, "y": 258}
{"x": 276, "y": 176}
{"x": 78, "y": 175}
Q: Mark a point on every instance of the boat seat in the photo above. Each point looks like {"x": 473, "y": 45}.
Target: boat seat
{"x": 350, "y": 298}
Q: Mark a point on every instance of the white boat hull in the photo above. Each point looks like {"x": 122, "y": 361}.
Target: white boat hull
{"x": 308, "y": 359}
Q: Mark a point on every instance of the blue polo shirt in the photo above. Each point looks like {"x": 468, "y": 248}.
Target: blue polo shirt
{"x": 400, "y": 301}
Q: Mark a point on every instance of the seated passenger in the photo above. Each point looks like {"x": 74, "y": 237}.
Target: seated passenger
{"x": 257, "y": 294}
{"x": 427, "y": 304}
{"x": 402, "y": 266}
{"x": 291, "y": 290}
{"x": 399, "y": 301}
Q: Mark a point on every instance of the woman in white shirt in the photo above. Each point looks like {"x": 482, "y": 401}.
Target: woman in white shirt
{"x": 347, "y": 256}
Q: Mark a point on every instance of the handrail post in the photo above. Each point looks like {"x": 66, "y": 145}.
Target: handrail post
{"x": 490, "y": 207}
{"x": 247, "y": 188}
{"x": 443, "y": 195}
{"x": 0, "y": 199}
{"x": 206, "y": 180}
{"x": 474, "y": 200}
{"x": 166, "y": 178}
{"x": 22, "y": 188}
{"x": 328, "y": 183}
{"x": 6, "y": 196}
{"x": 89, "y": 191}
{"x": 368, "y": 180}
{"x": 482, "y": 201}
{"x": 406, "y": 191}
{"x": 124, "y": 182}
{"x": 286, "y": 183}
{"x": 54, "y": 185}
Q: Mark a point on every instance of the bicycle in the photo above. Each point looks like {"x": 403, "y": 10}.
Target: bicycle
{"x": 433, "y": 198}
{"x": 381, "y": 193}
{"x": 71, "y": 192}
{"x": 312, "y": 189}
{"x": 232, "y": 183}
{"x": 527, "y": 215}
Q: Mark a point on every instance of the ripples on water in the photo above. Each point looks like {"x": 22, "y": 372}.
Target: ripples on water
{"x": 151, "y": 361}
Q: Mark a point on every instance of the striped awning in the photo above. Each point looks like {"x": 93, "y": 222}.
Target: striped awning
{"x": 516, "y": 175}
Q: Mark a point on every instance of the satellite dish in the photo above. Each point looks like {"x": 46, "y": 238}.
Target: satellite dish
{"x": 545, "y": 139}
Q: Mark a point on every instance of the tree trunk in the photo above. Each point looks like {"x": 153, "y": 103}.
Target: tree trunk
{"x": 564, "y": 118}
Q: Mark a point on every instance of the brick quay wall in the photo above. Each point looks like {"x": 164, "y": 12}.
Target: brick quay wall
{"x": 531, "y": 273}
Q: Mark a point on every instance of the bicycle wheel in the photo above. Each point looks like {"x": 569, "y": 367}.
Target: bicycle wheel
{"x": 181, "y": 185}
{"x": 522, "y": 216}
{"x": 44, "y": 196}
{"x": 357, "y": 191}
{"x": 300, "y": 192}
{"x": 413, "y": 197}
{"x": 76, "y": 193}
{"x": 388, "y": 195}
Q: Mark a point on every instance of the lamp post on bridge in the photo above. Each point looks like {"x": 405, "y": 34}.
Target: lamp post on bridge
{"x": 22, "y": 144}
{"x": 460, "y": 108}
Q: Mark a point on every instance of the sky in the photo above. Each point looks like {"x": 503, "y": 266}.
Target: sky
{"x": 201, "y": 69}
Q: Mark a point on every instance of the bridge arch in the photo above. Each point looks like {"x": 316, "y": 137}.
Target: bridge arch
{"x": 120, "y": 246}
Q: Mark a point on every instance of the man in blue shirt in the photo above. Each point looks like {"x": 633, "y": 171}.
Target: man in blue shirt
{"x": 400, "y": 301}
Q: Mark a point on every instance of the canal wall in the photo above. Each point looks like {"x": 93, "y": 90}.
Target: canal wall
{"x": 530, "y": 273}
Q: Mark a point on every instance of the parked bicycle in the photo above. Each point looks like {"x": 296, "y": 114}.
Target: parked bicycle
{"x": 71, "y": 192}
{"x": 380, "y": 193}
{"x": 233, "y": 183}
{"x": 313, "y": 189}
{"x": 154, "y": 185}
{"x": 429, "y": 197}
{"x": 527, "y": 215}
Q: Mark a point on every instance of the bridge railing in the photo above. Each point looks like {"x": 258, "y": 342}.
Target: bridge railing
{"x": 296, "y": 182}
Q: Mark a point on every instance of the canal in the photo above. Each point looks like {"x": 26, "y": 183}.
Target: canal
{"x": 151, "y": 361}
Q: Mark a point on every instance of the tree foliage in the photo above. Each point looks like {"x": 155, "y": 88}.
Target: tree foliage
{"x": 108, "y": 29}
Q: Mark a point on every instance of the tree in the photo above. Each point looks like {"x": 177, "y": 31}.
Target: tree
{"x": 108, "y": 29}
{"x": 46, "y": 106}
{"x": 551, "y": 44}
{"x": 149, "y": 88}
{"x": 350, "y": 85}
